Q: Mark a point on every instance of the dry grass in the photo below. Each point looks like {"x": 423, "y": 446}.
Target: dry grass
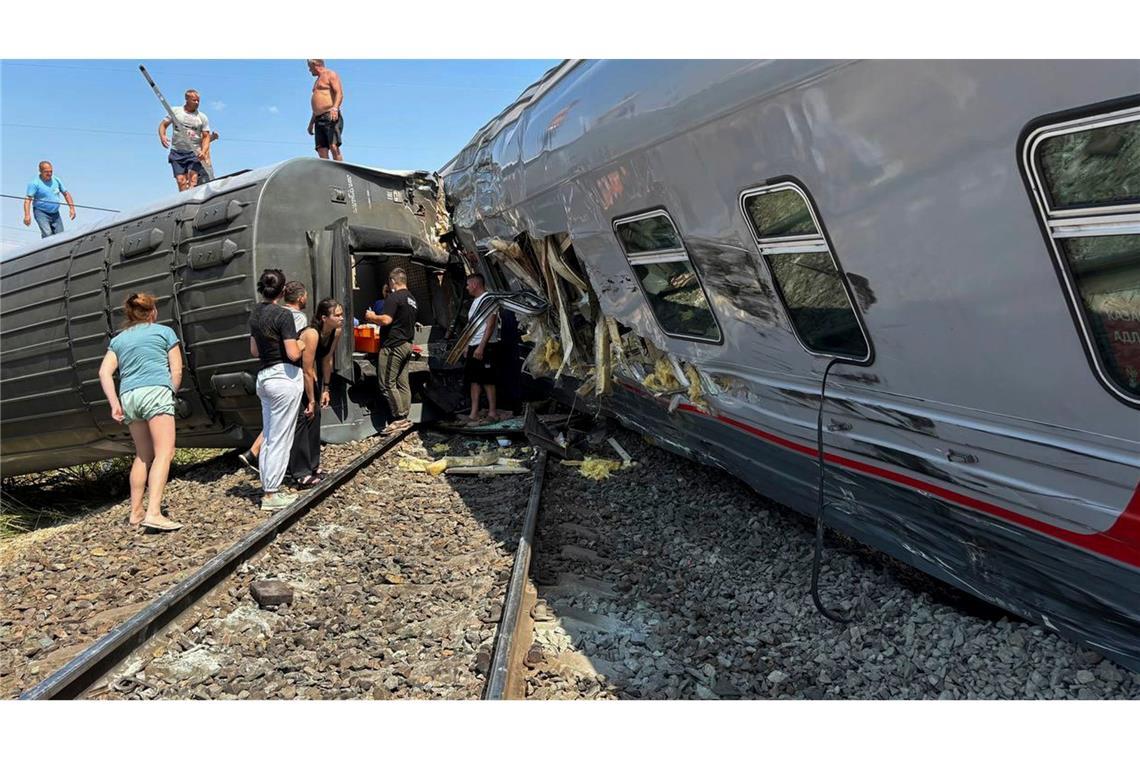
{"x": 46, "y": 499}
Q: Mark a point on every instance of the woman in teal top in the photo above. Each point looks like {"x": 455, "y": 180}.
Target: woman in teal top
{"x": 150, "y": 371}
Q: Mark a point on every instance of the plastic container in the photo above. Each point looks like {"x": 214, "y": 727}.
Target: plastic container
{"x": 366, "y": 338}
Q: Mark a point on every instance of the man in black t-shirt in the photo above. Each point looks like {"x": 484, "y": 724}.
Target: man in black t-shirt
{"x": 397, "y": 328}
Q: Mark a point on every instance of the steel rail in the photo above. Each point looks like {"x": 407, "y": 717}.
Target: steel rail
{"x": 81, "y": 673}
{"x": 505, "y": 642}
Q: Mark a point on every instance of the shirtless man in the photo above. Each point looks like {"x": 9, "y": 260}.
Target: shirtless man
{"x": 327, "y": 121}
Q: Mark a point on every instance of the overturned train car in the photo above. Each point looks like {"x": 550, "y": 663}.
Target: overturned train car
{"x": 337, "y": 227}
{"x": 957, "y": 242}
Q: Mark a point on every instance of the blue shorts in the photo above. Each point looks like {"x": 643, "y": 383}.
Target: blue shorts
{"x": 183, "y": 162}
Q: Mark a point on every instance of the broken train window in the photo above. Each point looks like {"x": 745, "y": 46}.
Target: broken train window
{"x": 667, "y": 276}
{"x": 1085, "y": 177}
{"x": 803, "y": 267}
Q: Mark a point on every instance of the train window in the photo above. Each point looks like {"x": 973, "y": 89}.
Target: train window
{"x": 671, "y": 285}
{"x": 1086, "y": 182}
{"x": 804, "y": 269}
{"x": 781, "y": 213}
{"x": 1092, "y": 166}
{"x": 651, "y": 233}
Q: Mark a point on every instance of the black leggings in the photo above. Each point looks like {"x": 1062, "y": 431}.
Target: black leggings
{"x": 305, "y": 457}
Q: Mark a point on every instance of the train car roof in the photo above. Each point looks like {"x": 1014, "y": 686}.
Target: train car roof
{"x": 510, "y": 114}
{"x": 200, "y": 194}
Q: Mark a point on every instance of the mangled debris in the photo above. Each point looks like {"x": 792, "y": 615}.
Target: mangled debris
{"x": 573, "y": 337}
{"x": 486, "y": 463}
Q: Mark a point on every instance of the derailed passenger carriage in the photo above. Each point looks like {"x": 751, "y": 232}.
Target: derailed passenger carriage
{"x": 337, "y": 227}
{"x": 958, "y": 242}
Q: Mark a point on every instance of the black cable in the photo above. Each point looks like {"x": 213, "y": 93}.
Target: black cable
{"x": 832, "y": 616}
{"x": 62, "y": 203}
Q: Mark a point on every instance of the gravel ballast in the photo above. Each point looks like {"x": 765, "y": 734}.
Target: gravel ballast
{"x": 668, "y": 580}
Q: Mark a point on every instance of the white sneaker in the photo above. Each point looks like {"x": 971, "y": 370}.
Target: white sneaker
{"x": 275, "y": 501}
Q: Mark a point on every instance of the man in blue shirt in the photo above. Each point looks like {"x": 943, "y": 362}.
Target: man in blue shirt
{"x": 42, "y": 198}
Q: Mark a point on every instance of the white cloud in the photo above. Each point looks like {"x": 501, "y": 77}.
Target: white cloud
{"x": 273, "y": 109}
{"x": 217, "y": 105}
{"x": 12, "y": 243}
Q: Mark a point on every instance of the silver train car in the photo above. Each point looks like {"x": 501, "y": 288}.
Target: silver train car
{"x": 957, "y": 242}
{"x": 336, "y": 227}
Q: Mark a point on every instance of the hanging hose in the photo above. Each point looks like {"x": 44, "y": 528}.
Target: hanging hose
{"x": 833, "y": 616}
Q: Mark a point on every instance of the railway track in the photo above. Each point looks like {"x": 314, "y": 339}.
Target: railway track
{"x": 81, "y": 673}
{"x": 551, "y": 586}
{"x": 154, "y": 653}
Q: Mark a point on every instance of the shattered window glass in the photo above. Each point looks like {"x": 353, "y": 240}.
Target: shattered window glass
{"x": 780, "y": 214}
{"x": 1106, "y": 271}
{"x": 817, "y": 303}
{"x": 1092, "y": 167}
{"x": 676, "y": 297}
{"x": 654, "y": 233}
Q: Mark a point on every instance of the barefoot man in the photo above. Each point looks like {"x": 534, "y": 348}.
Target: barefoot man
{"x": 327, "y": 122}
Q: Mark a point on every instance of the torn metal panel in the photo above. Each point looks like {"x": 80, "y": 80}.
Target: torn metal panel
{"x": 522, "y": 303}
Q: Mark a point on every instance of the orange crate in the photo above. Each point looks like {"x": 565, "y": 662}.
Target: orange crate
{"x": 365, "y": 339}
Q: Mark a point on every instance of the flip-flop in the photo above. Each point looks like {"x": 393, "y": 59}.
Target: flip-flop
{"x": 167, "y": 527}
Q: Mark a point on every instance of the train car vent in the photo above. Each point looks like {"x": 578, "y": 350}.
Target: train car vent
{"x": 217, "y": 214}
{"x": 213, "y": 254}
{"x": 233, "y": 384}
{"x": 142, "y": 242}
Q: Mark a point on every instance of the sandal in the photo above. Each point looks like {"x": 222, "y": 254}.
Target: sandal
{"x": 309, "y": 481}
{"x": 165, "y": 525}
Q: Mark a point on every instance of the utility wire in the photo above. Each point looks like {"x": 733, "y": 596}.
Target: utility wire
{"x": 247, "y": 77}
{"x": 62, "y": 203}
{"x": 227, "y": 138}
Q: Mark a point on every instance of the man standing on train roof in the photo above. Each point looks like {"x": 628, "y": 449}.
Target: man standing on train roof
{"x": 327, "y": 122}
{"x": 42, "y": 199}
{"x": 191, "y": 142}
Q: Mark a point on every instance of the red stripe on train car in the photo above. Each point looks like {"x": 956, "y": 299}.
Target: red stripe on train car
{"x": 1121, "y": 542}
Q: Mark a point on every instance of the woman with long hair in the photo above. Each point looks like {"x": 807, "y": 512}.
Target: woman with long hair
{"x": 149, "y": 362}
{"x": 280, "y": 383}
{"x": 318, "y": 346}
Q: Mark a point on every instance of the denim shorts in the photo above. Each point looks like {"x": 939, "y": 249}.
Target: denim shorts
{"x": 147, "y": 402}
{"x": 184, "y": 162}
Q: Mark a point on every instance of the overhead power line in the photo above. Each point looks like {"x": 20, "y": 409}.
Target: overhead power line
{"x": 225, "y": 137}
{"x": 62, "y": 203}
{"x": 356, "y": 82}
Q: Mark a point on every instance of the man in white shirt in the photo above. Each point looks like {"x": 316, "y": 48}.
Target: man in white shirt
{"x": 482, "y": 352}
{"x": 190, "y": 145}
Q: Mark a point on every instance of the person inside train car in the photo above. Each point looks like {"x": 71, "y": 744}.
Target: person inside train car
{"x": 295, "y": 297}
{"x": 397, "y": 330}
{"x": 378, "y": 304}
{"x": 149, "y": 362}
{"x": 318, "y": 346}
{"x": 190, "y": 145}
{"x": 327, "y": 122}
{"x": 280, "y": 384}
{"x": 482, "y": 366}
{"x": 41, "y": 199}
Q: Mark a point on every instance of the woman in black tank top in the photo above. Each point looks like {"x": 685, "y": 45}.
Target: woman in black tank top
{"x": 321, "y": 338}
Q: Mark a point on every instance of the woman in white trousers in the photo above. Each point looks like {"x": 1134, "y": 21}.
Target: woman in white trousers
{"x": 280, "y": 384}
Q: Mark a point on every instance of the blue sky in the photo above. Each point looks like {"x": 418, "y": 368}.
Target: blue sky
{"x": 97, "y": 120}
